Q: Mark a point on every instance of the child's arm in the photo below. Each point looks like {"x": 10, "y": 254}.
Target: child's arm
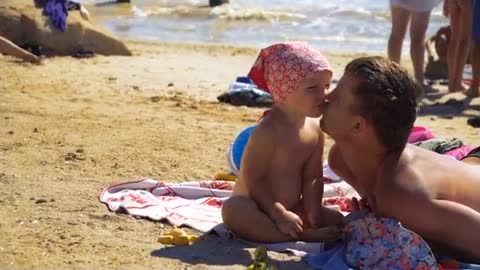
{"x": 255, "y": 166}
{"x": 449, "y": 223}
{"x": 312, "y": 185}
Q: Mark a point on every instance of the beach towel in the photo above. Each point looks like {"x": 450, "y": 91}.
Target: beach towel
{"x": 425, "y": 138}
{"x": 198, "y": 205}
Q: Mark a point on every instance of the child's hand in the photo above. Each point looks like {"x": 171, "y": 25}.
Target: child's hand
{"x": 289, "y": 223}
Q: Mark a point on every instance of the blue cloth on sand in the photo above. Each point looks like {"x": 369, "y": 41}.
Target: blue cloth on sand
{"x": 333, "y": 258}
{"x": 57, "y": 11}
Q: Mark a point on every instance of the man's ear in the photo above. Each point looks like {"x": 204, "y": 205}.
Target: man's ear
{"x": 359, "y": 125}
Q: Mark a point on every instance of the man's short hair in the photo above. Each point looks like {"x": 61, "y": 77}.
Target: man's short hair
{"x": 386, "y": 95}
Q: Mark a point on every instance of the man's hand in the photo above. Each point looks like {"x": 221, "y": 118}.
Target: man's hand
{"x": 289, "y": 223}
{"x": 359, "y": 204}
{"x": 364, "y": 203}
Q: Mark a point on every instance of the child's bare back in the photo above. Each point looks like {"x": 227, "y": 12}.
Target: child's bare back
{"x": 277, "y": 160}
{"x": 289, "y": 149}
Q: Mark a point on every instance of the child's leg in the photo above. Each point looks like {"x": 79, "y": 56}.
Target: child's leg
{"x": 400, "y": 19}
{"x": 418, "y": 29}
{"x": 244, "y": 218}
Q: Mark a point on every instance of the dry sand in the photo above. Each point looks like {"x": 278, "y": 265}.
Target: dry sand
{"x": 150, "y": 115}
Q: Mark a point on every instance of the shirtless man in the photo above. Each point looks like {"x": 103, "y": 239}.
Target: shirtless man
{"x": 279, "y": 190}
{"x": 370, "y": 115}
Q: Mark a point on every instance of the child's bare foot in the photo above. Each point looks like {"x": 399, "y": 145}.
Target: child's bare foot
{"x": 472, "y": 92}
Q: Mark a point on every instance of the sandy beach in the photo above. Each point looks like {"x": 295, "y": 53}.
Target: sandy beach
{"x": 71, "y": 127}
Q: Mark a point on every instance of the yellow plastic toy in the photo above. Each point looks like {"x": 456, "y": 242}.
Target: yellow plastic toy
{"x": 226, "y": 176}
{"x": 177, "y": 237}
{"x": 261, "y": 260}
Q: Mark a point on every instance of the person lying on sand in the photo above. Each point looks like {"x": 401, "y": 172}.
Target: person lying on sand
{"x": 370, "y": 115}
{"x": 9, "y": 48}
{"x": 279, "y": 191}
{"x": 214, "y": 3}
{"x": 440, "y": 42}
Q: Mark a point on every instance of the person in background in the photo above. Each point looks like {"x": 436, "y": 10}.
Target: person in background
{"x": 417, "y": 13}
{"x": 9, "y": 48}
{"x": 474, "y": 90}
{"x": 460, "y": 14}
{"x": 214, "y": 3}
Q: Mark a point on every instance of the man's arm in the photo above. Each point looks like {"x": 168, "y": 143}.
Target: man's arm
{"x": 451, "y": 224}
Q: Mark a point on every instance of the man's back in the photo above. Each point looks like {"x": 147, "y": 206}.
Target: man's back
{"x": 433, "y": 195}
{"x": 437, "y": 176}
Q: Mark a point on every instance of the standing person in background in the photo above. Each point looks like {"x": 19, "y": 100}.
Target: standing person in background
{"x": 417, "y": 13}
{"x": 474, "y": 90}
{"x": 460, "y": 14}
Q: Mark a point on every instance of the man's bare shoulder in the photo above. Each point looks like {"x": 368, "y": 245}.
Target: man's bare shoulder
{"x": 398, "y": 179}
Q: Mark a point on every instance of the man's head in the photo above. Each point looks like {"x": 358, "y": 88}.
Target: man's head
{"x": 375, "y": 99}
{"x": 295, "y": 74}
